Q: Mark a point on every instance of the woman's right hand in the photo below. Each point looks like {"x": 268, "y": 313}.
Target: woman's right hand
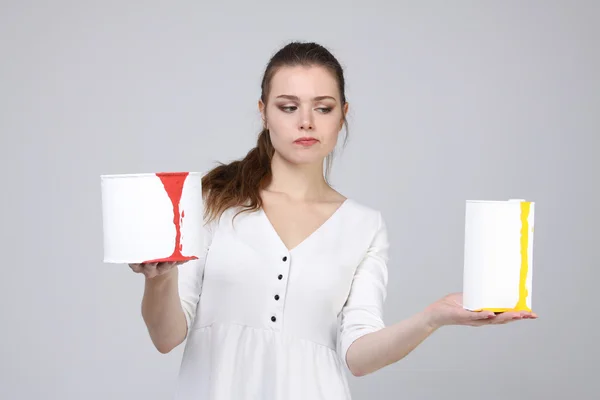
{"x": 152, "y": 270}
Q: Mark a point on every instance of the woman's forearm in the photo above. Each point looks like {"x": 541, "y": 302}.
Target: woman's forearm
{"x": 389, "y": 345}
{"x": 162, "y": 311}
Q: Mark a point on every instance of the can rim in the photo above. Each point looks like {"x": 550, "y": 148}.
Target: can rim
{"x": 147, "y": 174}
{"x": 500, "y": 201}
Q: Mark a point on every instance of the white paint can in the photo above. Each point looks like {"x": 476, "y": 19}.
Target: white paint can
{"x": 152, "y": 217}
{"x": 498, "y": 255}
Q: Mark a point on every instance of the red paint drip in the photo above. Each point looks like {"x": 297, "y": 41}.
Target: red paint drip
{"x": 173, "y": 183}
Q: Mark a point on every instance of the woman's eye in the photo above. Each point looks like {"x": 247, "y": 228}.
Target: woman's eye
{"x": 324, "y": 110}
{"x": 288, "y": 109}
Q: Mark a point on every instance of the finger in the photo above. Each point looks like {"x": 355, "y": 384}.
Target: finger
{"x": 508, "y": 316}
{"x": 164, "y": 266}
{"x": 150, "y": 269}
{"x": 480, "y": 315}
{"x": 136, "y": 267}
{"x": 529, "y": 315}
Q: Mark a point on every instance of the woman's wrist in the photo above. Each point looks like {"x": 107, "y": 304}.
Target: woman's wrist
{"x": 432, "y": 318}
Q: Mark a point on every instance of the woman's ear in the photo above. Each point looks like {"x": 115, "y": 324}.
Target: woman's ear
{"x": 261, "y": 109}
{"x": 345, "y": 115}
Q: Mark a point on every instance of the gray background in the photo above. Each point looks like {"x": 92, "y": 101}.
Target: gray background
{"x": 449, "y": 101}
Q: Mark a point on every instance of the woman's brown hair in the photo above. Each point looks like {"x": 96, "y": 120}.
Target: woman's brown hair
{"x": 239, "y": 182}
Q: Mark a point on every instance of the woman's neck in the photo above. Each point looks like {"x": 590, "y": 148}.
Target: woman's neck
{"x": 298, "y": 182}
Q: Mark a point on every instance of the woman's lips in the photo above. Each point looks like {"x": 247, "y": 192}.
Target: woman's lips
{"x": 306, "y": 141}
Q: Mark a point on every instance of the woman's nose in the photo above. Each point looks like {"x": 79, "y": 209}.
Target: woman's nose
{"x": 306, "y": 123}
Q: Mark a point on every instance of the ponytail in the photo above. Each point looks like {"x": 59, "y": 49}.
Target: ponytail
{"x": 239, "y": 182}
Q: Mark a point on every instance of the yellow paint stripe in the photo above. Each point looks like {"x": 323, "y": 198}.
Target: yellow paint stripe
{"x": 523, "y": 293}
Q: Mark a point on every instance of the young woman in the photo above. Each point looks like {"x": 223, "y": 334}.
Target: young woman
{"x": 289, "y": 293}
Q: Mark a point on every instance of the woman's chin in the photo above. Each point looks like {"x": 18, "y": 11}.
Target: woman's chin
{"x": 305, "y": 159}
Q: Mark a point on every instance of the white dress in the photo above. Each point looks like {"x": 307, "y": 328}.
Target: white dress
{"x": 268, "y": 323}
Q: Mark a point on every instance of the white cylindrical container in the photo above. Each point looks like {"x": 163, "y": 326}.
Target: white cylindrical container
{"x": 152, "y": 217}
{"x": 498, "y": 255}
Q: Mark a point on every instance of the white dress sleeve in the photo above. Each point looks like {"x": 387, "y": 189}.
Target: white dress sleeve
{"x": 363, "y": 311}
{"x": 190, "y": 278}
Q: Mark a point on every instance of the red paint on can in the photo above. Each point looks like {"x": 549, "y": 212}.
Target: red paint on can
{"x": 173, "y": 184}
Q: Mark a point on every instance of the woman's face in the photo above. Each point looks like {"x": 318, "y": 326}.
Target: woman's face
{"x": 304, "y": 114}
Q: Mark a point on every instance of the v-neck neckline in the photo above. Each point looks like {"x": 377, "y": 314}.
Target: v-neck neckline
{"x": 310, "y": 235}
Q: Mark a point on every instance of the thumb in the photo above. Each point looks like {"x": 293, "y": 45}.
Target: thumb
{"x": 479, "y": 315}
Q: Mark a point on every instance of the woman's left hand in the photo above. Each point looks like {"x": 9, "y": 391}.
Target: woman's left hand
{"x": 449, "y": 311}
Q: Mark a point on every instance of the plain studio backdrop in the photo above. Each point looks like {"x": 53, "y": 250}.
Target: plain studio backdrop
{"x": 449, "y": 101}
